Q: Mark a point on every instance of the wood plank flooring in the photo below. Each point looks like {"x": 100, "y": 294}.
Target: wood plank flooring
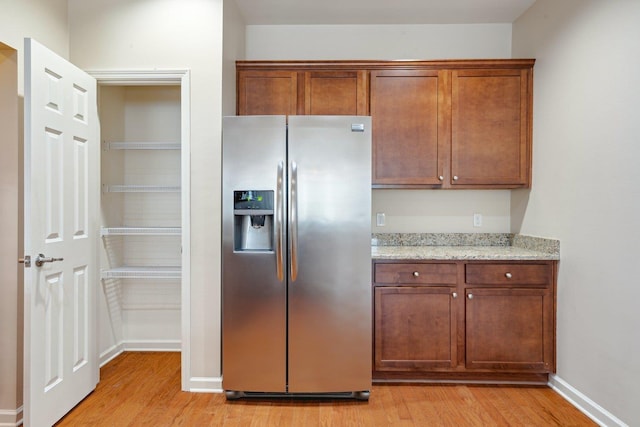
{"x": 143, "y": 389}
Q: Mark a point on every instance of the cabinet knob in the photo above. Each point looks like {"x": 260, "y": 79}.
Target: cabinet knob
{"x": 416, "y": 274}
{"x": 470, "y": 296}
{"x": 455, "y": 177}
{"x": 441, "y": 178}
{"x": 508, "y": 275}
{"x": 454, "y": 295}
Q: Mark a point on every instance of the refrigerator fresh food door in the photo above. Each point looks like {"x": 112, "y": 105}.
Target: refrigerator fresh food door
{"x": 253, "y": 258}
{"x": 330, "y": 259}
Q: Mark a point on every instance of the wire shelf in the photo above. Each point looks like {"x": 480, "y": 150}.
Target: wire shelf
{"x": 142, "y": 145}
{"x": 141, "y": 188}
{"x": 131, "y": 272}
{"x": 140, "y": 231}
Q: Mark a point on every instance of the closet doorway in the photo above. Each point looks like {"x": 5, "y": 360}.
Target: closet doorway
{"x": 144, "y": 252}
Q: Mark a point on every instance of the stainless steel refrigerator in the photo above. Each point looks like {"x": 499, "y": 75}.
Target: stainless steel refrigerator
{"x": 296, "y": 256}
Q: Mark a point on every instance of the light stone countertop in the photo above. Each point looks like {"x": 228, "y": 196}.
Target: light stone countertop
{"x": 500, "y": 247}
{"x": 489, "y": 253}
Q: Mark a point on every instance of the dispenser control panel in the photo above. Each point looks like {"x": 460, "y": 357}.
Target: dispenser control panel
{"x": 252, "y": 199}
{"x": 253, "y": 217}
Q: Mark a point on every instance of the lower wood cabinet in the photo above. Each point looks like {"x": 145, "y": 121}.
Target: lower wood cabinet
{"x": 464, "y": 320}
{"x": 405, "y": 316}
{"x": 509, "y": 329}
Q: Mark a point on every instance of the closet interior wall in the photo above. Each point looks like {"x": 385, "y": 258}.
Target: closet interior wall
{"x": 141, "y": 219}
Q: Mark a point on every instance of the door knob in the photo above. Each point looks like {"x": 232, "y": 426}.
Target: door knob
{"x": 41, "y": 259}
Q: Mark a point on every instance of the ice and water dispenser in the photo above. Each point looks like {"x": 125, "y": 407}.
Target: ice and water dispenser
{"x": 253, "y": 217}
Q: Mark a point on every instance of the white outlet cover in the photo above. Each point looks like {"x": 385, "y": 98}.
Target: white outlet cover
{"x": 477, "y": 220}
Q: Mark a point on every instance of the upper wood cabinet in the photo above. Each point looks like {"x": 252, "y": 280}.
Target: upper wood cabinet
{"x": 490, "y": 138}
{"x": 342, "y": 93}
{"x": 436, "y": 124}
{"x": 409, "y": 112}
{"x": 299, "y": 91}
{"x": 267, "y": 92}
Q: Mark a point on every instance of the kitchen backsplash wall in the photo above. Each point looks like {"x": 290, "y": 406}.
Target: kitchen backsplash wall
{"x": 441, "y": 211}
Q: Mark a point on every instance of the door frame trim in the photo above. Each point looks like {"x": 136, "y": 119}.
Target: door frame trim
{"x": 180, "y": 78}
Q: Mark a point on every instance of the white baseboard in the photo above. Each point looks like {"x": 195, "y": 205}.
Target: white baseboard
{"x": 160, "y": 345}
{"x": 205, "y": 385}
{"x": 11, "y": 417}
{"x": 587, "y": 406}
{"x": 110, "y": 354}
{"x": 152, "y": 345}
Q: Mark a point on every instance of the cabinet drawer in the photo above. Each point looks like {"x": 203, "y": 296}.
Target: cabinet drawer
{"x": 416, "y": 274}
{"x": 508, "y": 274}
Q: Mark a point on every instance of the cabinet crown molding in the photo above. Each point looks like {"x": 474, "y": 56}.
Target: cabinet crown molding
{"x": 450, "y": 64}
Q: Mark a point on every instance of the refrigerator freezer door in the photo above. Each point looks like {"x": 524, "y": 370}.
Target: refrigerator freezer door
{"x": 253, "y": 297}
{"x": 330, "y": 231}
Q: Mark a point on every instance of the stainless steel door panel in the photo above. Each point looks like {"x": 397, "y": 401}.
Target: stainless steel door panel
{"x": 330, "y": 299}
{"x": 253, "y": 298}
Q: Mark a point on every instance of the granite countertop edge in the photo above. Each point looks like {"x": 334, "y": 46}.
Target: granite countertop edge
{"x": 461, "y": 246}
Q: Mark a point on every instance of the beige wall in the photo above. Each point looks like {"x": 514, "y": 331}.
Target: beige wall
{"x": 405, "y": 210}
{"x": 11, "y": 244}
{"x": 233, "y": 49}
{"x": 585, "y": 190}
{"x": 378, "y": 41}
{"x": 45, "y": 21}
{"x": 174, "y": 34}
{"x": 42, "y": 20}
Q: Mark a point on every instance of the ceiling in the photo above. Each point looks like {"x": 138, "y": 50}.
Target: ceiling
{"x": 337, "y": 12}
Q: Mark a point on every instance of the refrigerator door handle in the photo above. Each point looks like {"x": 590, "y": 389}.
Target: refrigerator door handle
{"x": 279, "y": 229}
{"x": 293, "y": 220}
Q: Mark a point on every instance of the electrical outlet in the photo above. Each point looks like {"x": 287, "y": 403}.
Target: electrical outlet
{"x": 477, "y": 220}
{"x": 380, "y": 219}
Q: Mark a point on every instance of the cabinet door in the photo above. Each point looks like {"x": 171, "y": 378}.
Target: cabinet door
{"x": 415, "y": 328}
{"x": 336, "y": 93}
{"x": 490, "y": 127}
{"x": 410, "y": 127}
{"x": 267, "y": 92}
{"x": 509, "y": 329}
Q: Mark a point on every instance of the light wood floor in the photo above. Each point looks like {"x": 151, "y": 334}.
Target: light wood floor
{"x": 143, "y": 389}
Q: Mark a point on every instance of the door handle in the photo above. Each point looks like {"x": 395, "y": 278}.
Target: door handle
{"x": 41, "y": 259}
{"x": 293, "y": 220}
{"x": 279, "y": 232}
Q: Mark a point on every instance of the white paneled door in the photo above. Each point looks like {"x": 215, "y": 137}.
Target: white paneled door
{"x": 61, "y": 210}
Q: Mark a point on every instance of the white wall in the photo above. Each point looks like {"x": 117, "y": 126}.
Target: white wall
{"x": 233, "y": 49}
{"x": 42, "y": 20}
{"x": 441, "y": 211}
{"x": 585, "y": 189}
{"x": 433, "y": 211}
{"x": 111, "y": 108}
{"x": 140, "y": 314}
{"x": 174, "y": 34}
{"x": 378, "y": 41}
{"x": 45, "y": 21}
